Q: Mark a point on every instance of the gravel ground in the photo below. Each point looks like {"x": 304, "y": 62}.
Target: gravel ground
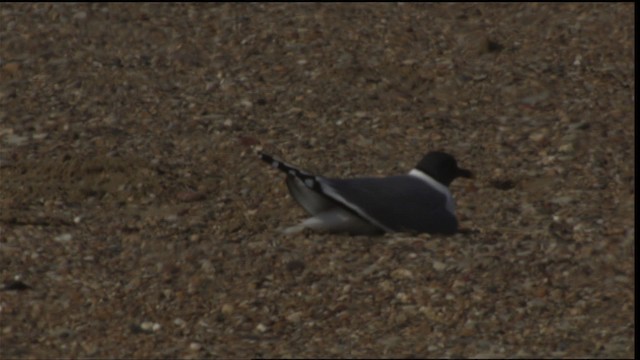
{"x": 136, "y": 220}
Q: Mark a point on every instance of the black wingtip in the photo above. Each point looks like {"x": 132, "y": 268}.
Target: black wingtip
{"x": 265, "y": 157}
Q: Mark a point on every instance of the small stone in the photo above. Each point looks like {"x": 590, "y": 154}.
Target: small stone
{"x": 63, "y": 237}
{"x": 171, "y": 218}
{"x": 583, "y": 125}
{"x": 401, "y": 274}
{"x": 391, "y": 341}
{"x": 439, "y": 266}
{"x": 535, "y": 98}
{"x": 566, "y": 148}
{"x": 89, "y": 347}
{"x": 578, "y": 60}
{"x": 622, "y": 279}
{"x": 538, "y": 136}
{"x": 11, "y": 68}
{"x": 479, "y": 77}
{"x": 562, "y": 200}
{"x": 261, "y": 328}
{"x": 150, "y": 326}
{"x": 536, "y": 303}
{"x": 386, "y": 285}
{"x": 227, "y": 309}
{"x": 400, "y": 318}
{"x": 402, "y": 297}
{"x": 80, "y": 15}
{"x": 245, "y": 103}
{"x": 294, "y": 317}
{"x": 13, "y": 139}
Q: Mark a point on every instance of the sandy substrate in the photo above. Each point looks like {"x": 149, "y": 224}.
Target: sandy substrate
{"x": 136, "y": 220}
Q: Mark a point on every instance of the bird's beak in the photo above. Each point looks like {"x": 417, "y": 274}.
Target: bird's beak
{"x": 465, "y": 173}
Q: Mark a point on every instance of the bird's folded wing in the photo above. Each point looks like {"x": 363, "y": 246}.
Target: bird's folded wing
{"x": 312, "y": 201}
{"x": 398, "y": 203}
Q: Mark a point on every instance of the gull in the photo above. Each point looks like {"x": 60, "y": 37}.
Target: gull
{"x": 417, "y": 202}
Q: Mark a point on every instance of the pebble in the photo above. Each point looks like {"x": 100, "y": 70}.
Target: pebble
{"x": 294, "y": 317}
{"x": 150, "y": 326}
{"x": 11, "y": 68}
{"x": 246, "y": 103}
{"x": 13, "y": 139}
{"x": 439, "y": 266}
{"x": 535, "y": 98}
{"x": 261, "y": 328}
{"x": 578, "y": 60}
{"x": 566, "y": 148}
{"x": 80, "y": 15}
{"x": 227, "y": 309}
{"x": 538, "y": 136}
{"x": 401, "y": 274}
{"x": 562, "y": 200}
{"x": 171, "y": 218}
{"x": 63, "y": 237}
{"x": 402, "y": 297}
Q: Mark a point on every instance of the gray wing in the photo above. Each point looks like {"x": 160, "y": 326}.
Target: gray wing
{"x": 312, "y": 201}
{"x": 398, "y": 203}
{"x": 328, "y": 214}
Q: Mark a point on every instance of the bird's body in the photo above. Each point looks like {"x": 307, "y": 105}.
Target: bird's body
{"x": 418, "y": 202}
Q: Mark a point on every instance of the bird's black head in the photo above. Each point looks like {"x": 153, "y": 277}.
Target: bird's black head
{"x": 442, "y": 167}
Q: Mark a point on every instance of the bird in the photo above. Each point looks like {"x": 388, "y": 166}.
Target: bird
{"x": 417, "y": 202}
